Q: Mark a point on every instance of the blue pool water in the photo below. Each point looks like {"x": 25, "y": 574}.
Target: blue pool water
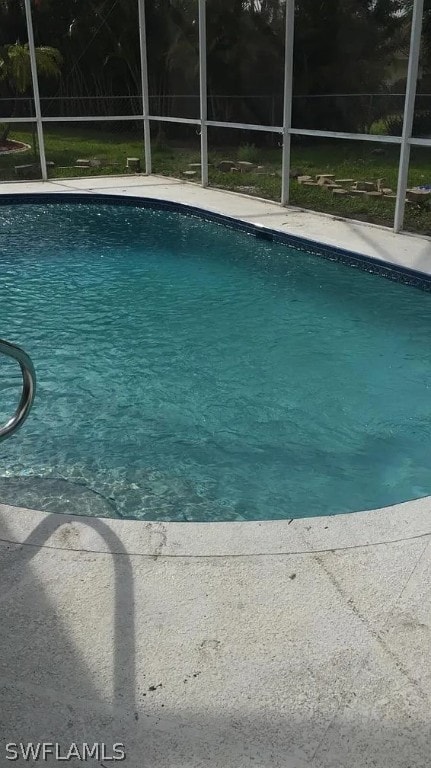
{"x": 187, "y": 371}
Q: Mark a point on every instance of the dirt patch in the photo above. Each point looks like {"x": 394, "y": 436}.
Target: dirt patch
{"x": 10, "y": 146}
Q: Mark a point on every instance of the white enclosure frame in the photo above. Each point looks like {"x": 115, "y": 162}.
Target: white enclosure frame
{"x": 405, "y": 141}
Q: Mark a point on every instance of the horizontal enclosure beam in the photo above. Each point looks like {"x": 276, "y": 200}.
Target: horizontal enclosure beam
{"x": 246, "y": 126}
{"x": 342, "y": 135}
{"x": 7, "y": 120}
{"x": 90, "y": 119}
{"x": 180, "y": 120}
{"x": 419, "y": 142}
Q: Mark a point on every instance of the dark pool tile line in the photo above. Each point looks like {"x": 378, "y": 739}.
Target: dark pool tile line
{"x": 332, "y": 253}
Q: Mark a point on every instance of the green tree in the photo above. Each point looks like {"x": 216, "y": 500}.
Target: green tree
{"x": 344, "y": 47}
{"x": 426, "y": 35}
{"x": 15, "y": 70}
{"x": 426, "y": 31}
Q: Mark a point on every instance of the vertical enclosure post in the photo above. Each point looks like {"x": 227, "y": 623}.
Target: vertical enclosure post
{"x": 36, "y": 95}
{"x": 203, "y": 91}
{"x": 144, "y": 85}
{"x": 409, "y": 107}
{"x": 287, "y": 99}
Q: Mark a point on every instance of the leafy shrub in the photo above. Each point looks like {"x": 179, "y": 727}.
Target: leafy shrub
{"x": 378, "y": 128}
{"x": 392, "y": 125}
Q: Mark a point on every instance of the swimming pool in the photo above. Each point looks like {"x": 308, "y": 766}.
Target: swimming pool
{"x": 189, "y": 371}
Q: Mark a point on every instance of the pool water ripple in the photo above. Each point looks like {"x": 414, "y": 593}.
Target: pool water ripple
{"x": 187, "y": 371}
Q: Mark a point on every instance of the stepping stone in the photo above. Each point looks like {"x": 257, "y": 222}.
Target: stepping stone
{"x": 303, "y": 179}
{"x": 323, "y": 178}
{"x": 134, "y": 164}
{"x": 245, "y": 166}
{"x": 357, "y": 192}
{"x": 227, "y": 165}
{"x": 371, "y": 193}
{"x": 418, "y": 195}
{"x": 310, "y": 184}
{"x": 366, "y": 186}
{"x": 247, "y": 190}
{"x": 189, "y": 174}
{"x": 195, "y": 165}
{"x": 340, "y": 191}
{"x": 81, "y": 163}
{"x": 23, "y": 171}
{"x": 387, "y": 191}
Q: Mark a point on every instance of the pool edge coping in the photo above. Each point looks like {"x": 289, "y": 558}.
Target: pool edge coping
{"x": 389, "y": 525}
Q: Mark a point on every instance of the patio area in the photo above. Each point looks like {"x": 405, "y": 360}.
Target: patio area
{"x": 208, "y": 645}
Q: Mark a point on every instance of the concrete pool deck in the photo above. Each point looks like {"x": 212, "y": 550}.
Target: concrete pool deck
{"x": 292, "y": 644}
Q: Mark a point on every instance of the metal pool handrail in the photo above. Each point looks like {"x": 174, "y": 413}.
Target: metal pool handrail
{"x": 28, "y": 387}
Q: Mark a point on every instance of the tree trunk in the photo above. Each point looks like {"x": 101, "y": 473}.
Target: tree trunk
{"x": 4, "y": 133}
{"x": 7, "y": 126}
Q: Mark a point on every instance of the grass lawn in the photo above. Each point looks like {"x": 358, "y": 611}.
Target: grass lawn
{"x": 346, "y": 159}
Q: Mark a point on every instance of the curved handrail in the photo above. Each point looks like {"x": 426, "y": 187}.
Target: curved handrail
{"x": 28, "y": 387}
